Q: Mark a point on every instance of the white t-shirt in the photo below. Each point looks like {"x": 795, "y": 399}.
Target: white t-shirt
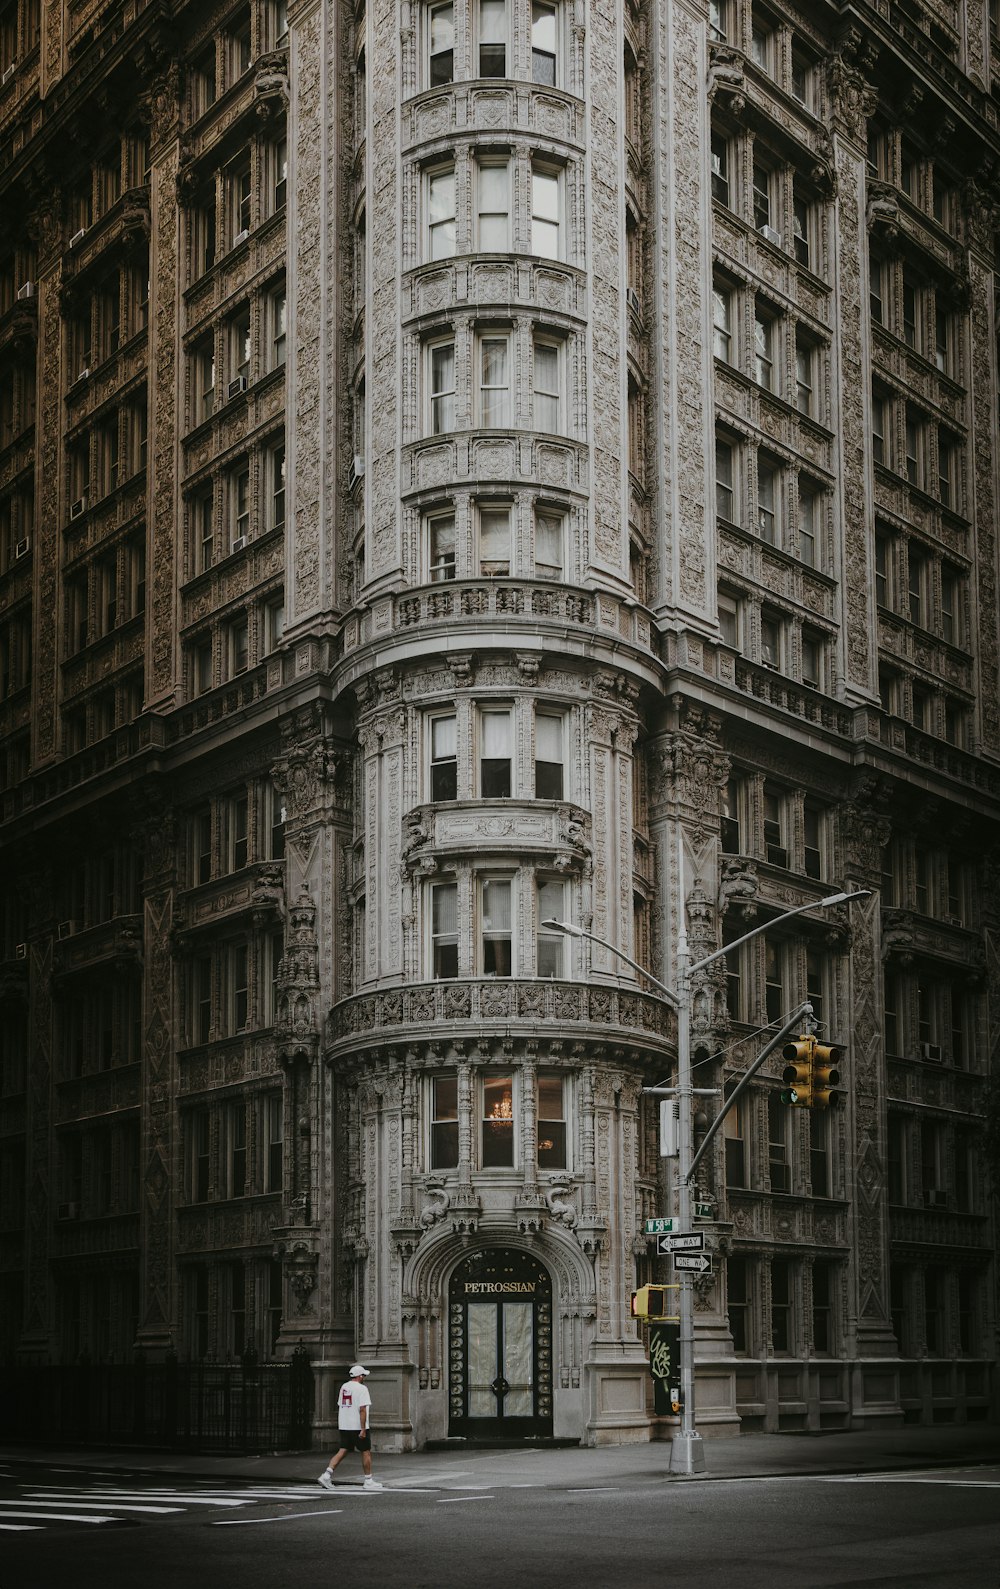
{"x": 353, "y": 1396}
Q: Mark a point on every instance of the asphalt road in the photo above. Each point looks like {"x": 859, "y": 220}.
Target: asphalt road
{"x": 435, "y": 1528}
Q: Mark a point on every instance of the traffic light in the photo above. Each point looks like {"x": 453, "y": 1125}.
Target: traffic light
{"x": 798, "y": 1072}
{"x": 826, "y": 1075}
{"x": 650, "y": 1302}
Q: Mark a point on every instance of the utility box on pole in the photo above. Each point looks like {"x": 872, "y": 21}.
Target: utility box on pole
{"x": 669, "y": 1128}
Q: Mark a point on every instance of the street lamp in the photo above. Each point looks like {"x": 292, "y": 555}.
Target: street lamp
{"x": 687, "y": 1455}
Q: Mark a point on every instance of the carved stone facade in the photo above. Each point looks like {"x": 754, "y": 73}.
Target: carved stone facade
{"x": 368, "y": 604}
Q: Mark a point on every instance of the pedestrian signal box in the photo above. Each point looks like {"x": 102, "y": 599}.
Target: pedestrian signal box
{"x": 651, "y": 1302}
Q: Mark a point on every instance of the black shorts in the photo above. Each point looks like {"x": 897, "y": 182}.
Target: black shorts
{"x": 354, "y": 1440}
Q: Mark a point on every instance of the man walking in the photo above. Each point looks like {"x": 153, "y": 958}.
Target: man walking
{"x": 353, "y": 1404}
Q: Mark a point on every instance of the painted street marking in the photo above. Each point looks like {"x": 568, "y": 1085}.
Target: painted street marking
{"x": 62, "y": 1517}
{"x": 19, "y": 1528}
{"x": 243, "y": 1522}
{"x": 108, "y": 1498}
{"x": 108, "y": 1505}
{"x": 596, "y": 1489}
{"x": 457, "y": 1500}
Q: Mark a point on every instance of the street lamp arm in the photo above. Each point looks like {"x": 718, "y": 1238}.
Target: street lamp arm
{"x": 793, "y": 1020}
{"x": 819, "y": 904}
{"x": 581, "y": 932}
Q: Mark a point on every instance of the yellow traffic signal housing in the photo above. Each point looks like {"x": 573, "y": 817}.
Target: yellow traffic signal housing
{"x": 651, "y": 1302}
{"x": 825, "y": 1076}
{"x": 798, "y": 1072}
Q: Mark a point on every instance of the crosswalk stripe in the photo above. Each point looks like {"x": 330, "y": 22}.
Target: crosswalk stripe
{"x": 19, "y": 1528}
{"x": 62, "y": 1517}
{"x": 108, "y": 1498}
{"x": 244, "y": 1522}
{"x": 108, "y": 1505}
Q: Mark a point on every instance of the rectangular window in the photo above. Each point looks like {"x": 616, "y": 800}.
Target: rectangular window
{"x": 942, "y": 341}
{"x": 800, "y": 231}
{"x": 734, "y": 1130}
{"x": 444, "y": 762}
{"x": 278, "y": 165}
{"x": 441, "y": 231}
{"x": 813, "y": 657}
{"x": 545, "y": 386}
{"x": 239, "y": 503}
{"x": 781, "y": 1305}
{"x": 237, "y": 1134}
{"x": 774, "y": 822}
{"x": 494, "y": 538}
{"x": 809, "y": 526}
{"x": 767, "y": 485}
{"x": 492, "y": 38}
{"x": 275, "y": 1142}
{"x": 819, "y": 1152}
{"x": 812, "y": 823}
{"x": 779, "y": 1169}
{"x": 238, "y": 647}
{"x": 202, "y": 667}
{"x": 495, "y": 731}
{"x": 720, "y": 169}
{"x": 549, "y": 541}
{"x": 917, "y": 582}
{"x": 201, "y": 838}
{"x": 200, "y": 1155}
{"x": 494, "y": 381}
{"x": 764, "y": 339}
{"x": 498, "y": 1122}
{"x": 913, "y": 470}
{"x": 239, "y": 987}
{"x": 822, "y": 1304}
{"x": 493, "y": 192}
{"x": 444, "y": 929}
{"x": 274, "y": 623}
{"x": 276, "y": 486}
{"x": 440, "y": 45}
{"x": 718, "y": 20}
{"x": 551, "y": 1123}
{"x": 543, "y": 43}
{"x": 910, "y": 301}
{"x": 497, "y": 927}
{"x": 238, "y": 329}
{"x": 761, "y": 197}
{"x": 444, "y": 1122}
{"x": 879, "y": 453}
{"x": 239, "y": 199}
{"x": 545, "y": 213}
{"x": 876, "y": 289}
{"x": 549, "y": 757}
{"x": 202, "y": 998}
{"x": 442, "y": 387}
{"x": 882, "y": 569}
{"x": 441, "y": 546}
{"x": 730, "y": 824}
{"x": 277, "y": 316}
{"x": 729, "y": 619}
{"x": 237, "y": 816}
{"x": 774, "y": 981}
{"x": 947, "y": 470}
{"x": 738, "y": 1302}
{"x": 724, "y": 480}
{"x": 722, "y": 336}
{"x": 804, "y": 360}
{"x": 551, "y": 956}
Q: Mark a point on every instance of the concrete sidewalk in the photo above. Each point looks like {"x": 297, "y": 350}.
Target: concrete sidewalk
{"x": 748, "y": 1456}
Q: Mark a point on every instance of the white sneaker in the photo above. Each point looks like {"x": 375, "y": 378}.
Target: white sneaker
{"x": 325, "y": 1480}
{"x": 372, "y": 1484}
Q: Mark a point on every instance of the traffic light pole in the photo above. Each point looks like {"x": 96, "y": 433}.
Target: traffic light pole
{"x": 686, "y": 1451}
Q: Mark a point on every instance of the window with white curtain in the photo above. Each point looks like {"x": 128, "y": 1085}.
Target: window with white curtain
{"x": 493, "y": 204}
{"x": 441, "y": 231}
{"x": 496, "y": 924}
{"x": 495, "y": 744}
{"x": 545, "y": 212}
{"x": 441, "y": 382}
{"x": 494, "y": 380}
{"x": 546, "y": 385}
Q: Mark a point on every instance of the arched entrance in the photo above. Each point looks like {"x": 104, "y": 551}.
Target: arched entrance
{"x": 500, "y": 1347}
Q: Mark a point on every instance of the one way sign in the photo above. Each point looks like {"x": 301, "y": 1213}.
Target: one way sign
{"x": 700, "y": 1262}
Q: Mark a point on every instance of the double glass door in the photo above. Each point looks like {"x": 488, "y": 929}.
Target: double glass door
{"x": 500, "y": 1347}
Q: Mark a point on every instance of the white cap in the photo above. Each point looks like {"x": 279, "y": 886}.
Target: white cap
{"x": 356, "y": 1371}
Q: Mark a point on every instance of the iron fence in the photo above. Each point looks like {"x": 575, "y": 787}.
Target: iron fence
{"x": 243, "y": 1406}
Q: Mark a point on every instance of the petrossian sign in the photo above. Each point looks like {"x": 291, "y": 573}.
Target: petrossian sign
{"x": 499, "y": 1287}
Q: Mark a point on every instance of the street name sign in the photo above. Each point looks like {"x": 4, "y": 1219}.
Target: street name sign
{"x": 698, "y": 1261}
{"x": 704, "y": 1210}
{"x": 656, "y": 1227}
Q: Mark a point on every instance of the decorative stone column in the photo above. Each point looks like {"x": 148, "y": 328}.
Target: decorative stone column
{"x": 864, "y": 833}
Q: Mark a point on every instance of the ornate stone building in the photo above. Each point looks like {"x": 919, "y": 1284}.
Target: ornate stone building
{"x": 466, "y": 464}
